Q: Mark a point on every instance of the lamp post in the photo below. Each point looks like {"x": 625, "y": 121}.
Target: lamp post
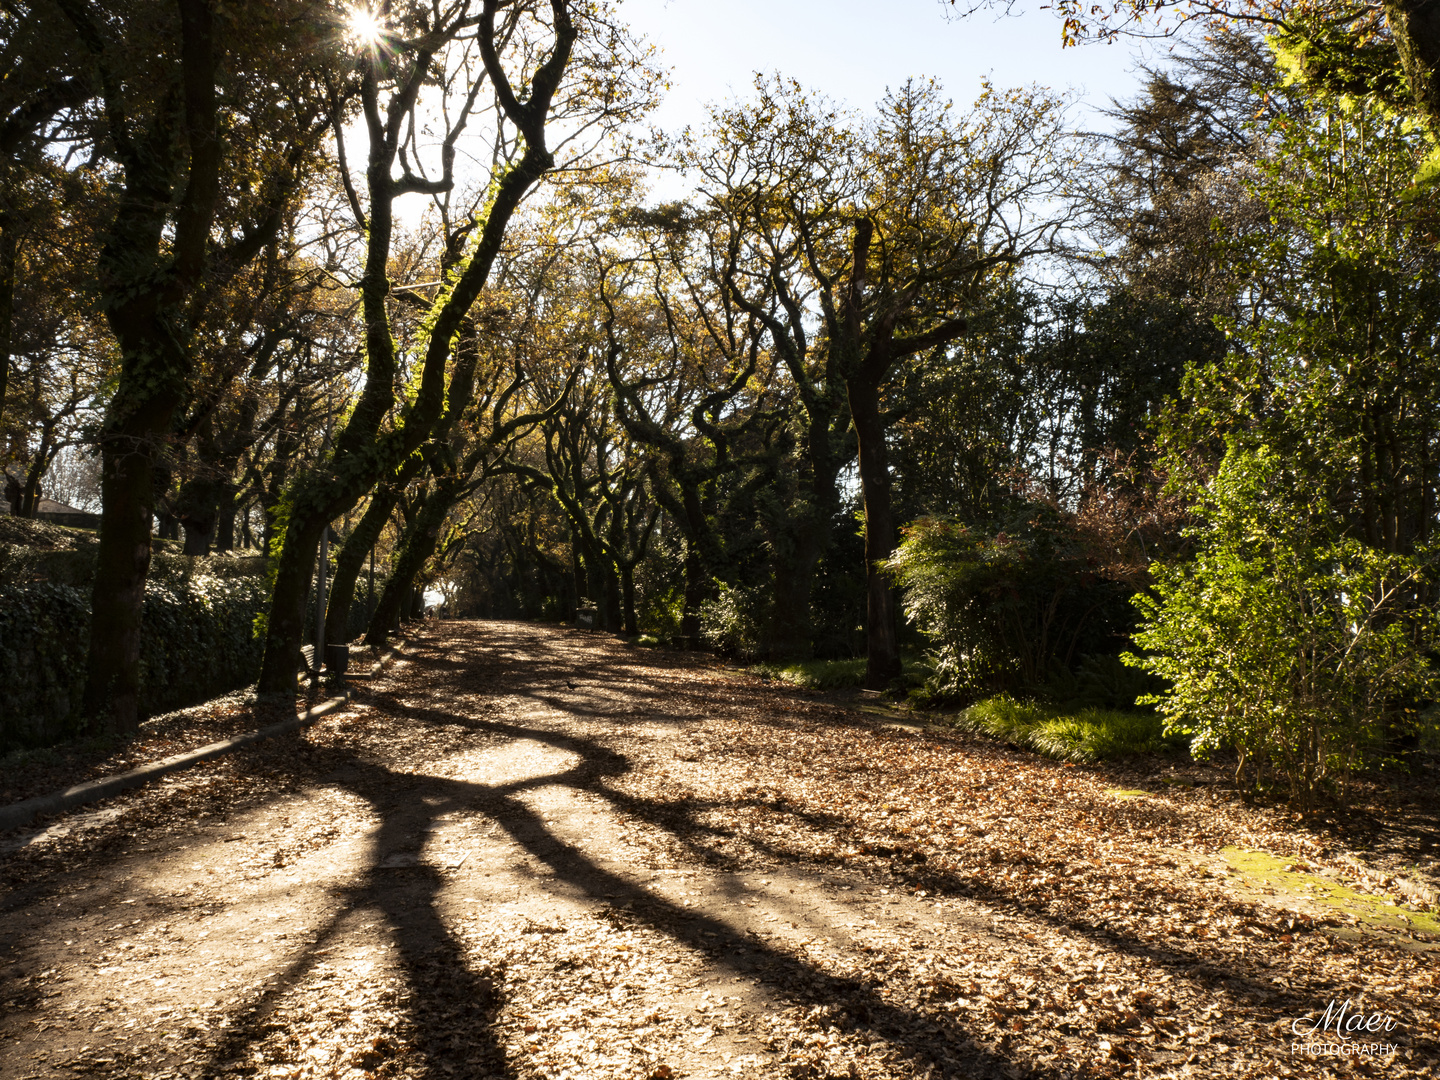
{"x": 324, "y": 565}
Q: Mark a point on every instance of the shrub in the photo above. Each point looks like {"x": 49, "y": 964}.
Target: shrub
{"x": 816, "y": 674}
{"x": 43, "y": 629}
{"x": 733, "y": 623}
{"x": 1005, "y": 608}
{"x": 1283, "y": 639}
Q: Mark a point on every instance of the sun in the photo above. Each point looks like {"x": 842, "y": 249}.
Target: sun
{"x": 364, "y": 25}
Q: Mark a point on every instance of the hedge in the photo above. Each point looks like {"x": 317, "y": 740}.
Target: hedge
{"x": 197, "y": 642}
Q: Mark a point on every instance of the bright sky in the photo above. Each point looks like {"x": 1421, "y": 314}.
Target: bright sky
{"x": 851, "y": 50}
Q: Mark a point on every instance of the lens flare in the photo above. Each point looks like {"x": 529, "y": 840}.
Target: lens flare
{"x": 364, "y": 25}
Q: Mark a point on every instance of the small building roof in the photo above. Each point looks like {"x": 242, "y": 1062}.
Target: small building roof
{"x": 50, "y": 506}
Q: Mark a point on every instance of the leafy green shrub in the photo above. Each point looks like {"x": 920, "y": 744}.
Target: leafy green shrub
{"x": 1085, "y": 735}
{"x": 1283, "y": 639}
{"x": 734, "y": 622}
{"x": 660, "y": 612}
{"x": 198, "y": 640}
{"x": 196, "y": 643}
{"x": 62, "y": 566}
{"x": 43, "y": 630}
{"x": 1005, "y": 608}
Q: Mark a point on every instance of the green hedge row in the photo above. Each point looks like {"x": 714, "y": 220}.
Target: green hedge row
{"x": 198, "y": 642}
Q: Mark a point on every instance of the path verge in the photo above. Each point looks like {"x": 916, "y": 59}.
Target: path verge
{"x": 19, "y": 814}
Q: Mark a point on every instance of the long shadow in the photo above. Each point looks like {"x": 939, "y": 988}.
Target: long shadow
{"x": 451, "y": 1006}
{"x": 1174, "y": 960}
{"x": 455, "y": 1014}
{"x": 659, "y": 813}
{"x": 427, "y": 946}
{"x": 598, "y": 763}
{"x": 862, "y": 1005}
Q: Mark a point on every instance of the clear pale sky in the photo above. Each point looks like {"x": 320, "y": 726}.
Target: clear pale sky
{"x": 851, "y": 50}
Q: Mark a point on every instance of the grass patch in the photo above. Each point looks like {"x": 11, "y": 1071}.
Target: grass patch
{"x": 816, "y": 674}
{"x": 1086, "y": 735}
{"x": 1263, "y": 870}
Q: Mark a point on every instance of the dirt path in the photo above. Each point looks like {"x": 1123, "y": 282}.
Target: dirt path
{"x": 531, "y": 852}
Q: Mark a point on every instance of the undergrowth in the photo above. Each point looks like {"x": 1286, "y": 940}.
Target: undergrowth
{"x": 816, "y": 674}
{"x": 1083, "y": 735}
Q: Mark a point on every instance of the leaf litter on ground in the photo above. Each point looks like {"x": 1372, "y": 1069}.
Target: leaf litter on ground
{"x": 882, "y": 904}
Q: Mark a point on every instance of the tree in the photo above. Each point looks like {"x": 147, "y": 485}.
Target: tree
{"x": 283, "y": 330}
{"x": 1172, "y": 187}
{"x": 60, "y": 355}
{"x": 1389, "y": 49}
{"x": 392, "y": 75}
{"x": 781, "y": 175}
{"x": 178, "y": 97}
{"x": 1297, "y": 647}
{"x": 41, "y": 89}
{"x": 479, "y": 447}
{"x": 682, "y": 364}
{"x": 1334, "y": 365}
{"x": 893, "y": 236}
{"x": 463, "y": 49}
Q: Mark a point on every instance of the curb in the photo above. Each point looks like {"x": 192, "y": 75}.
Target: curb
{"x": 22, "y": 813}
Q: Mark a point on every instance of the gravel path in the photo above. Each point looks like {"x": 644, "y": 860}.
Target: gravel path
{"x": 535, "y": 852}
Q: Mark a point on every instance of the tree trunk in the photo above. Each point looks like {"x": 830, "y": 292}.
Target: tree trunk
{"x": 1415, "y": 25}
{"x": 285, "y": 625}
{"x": 697, "y": 588}
{"x": 882, "y": 647}
{"x": 225, "y": 526}
{"x": 416, "y": 546}
{"x": 112, "y": 677}
{"x": 198, "y": 533}
{"x": 146, "y": 282}
{"x": 796, "y": 545}
{"x": 361, "y": 456}
{"x": 627, "y": 595}
{"x": 351, "y": 561}
{"x": 361, "y": 543}
{"x": 614, "y": 618}
{"x": 30, "y": 494}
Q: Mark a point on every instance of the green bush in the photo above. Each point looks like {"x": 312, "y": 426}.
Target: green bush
{"x": 197, "y": 642}
{"x": 43, "y": 630}
{"x": 1086, "y": 735}
{"x": 1005, "y": 609}
{"x": 660, "y": 612}
{"x": 1299, "y": 648}
{"x": 734, "y": 622}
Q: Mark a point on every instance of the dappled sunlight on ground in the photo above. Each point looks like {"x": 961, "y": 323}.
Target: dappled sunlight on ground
{"x": 533, "y": 852}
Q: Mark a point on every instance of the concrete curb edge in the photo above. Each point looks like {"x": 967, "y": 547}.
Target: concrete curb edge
{"x": 20, "y": 814}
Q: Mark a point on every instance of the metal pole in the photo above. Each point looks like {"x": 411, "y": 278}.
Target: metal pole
{"x": 320, "y": 600}
{"x": 320, "y": 579}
